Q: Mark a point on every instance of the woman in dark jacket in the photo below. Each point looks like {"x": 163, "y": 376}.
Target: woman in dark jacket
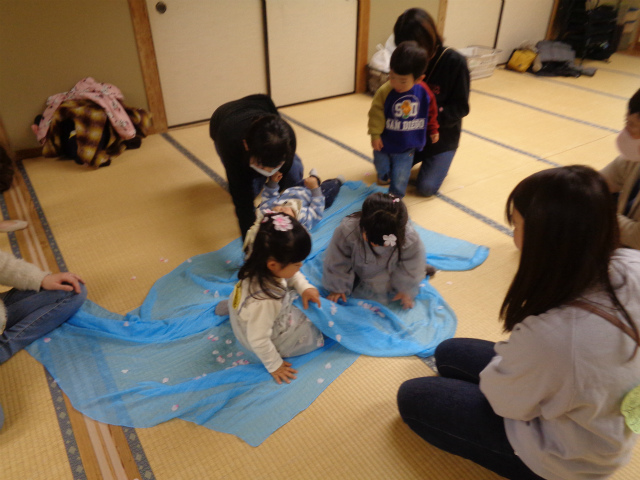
{"x": 448, "y": 77}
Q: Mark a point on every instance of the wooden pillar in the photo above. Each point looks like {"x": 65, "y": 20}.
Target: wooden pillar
{"x": 362, "y": 45}
{"x": 148, "y": 63}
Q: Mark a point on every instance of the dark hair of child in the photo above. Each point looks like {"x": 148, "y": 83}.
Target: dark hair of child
{"x": 570, "y": 233}
{"x": 416, "y": 24}
{"x": 269, "y": 139}
{"x": 383, "y": 214}
{"x": 409, "y": 59}
{"x": 634, "y": 103}
{"x": 285, "y": 247}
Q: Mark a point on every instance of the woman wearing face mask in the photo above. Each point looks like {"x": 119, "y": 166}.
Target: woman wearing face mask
{"x": 253, "y": 143}
{"x": 623, "y": 176}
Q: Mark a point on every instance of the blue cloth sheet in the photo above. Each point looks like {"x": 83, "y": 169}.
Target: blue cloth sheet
{"x": 173, "y": 357}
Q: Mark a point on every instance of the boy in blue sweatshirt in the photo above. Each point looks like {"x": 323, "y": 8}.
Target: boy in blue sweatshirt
{"x": 403, "y": 112}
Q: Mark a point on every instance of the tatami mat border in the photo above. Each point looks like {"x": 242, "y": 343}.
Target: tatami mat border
{"x": 579, "y": 87}
{"x": 43, "y": 219}
{"x": 619, "y": 72}
{"x": 66, "y": 429}
{"x": 474, "y": 214}
{"x": 199, "y": 163}
{"x": 13, "y": 241}
{"x": 513, "y": 149}
{"x": 327, "y": 137}
{"x": 62, "y": 414}
{"x": 548, "y": 112}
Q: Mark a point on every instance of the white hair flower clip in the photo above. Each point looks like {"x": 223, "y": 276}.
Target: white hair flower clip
{"x": 389, "y": 240}
{"x": 396, "y": 200}
{"x": 282, "y": 223}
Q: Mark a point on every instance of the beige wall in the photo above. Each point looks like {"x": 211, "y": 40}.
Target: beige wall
{"x": 47, "y": 46}
{"x": 383, "y": 16}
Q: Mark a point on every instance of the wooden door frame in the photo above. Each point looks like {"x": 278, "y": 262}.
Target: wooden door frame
{"x": 362, "y": 42}
{"x": 149, "y": 63}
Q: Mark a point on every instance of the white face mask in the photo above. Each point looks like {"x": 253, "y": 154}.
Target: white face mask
{"x": 628, "y": 146}
{"x": 266, "y": 173}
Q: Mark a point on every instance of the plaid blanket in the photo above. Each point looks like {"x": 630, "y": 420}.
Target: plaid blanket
{"x": 90, "y": 122}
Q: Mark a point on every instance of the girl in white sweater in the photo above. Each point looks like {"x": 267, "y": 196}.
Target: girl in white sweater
{"x": 546, "y": 403}
{"x": 262, "y": 313}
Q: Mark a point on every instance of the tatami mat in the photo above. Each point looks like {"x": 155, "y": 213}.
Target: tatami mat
{"x": 124, "y": 226}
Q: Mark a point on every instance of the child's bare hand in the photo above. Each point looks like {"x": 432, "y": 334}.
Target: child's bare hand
{"x": 284, "y": 373}
{"x": 310, "y": 295}
{"x": 377, "y": 144}
{"x": 334, "y": 297}
{"x": 276, "y": 177}
{"x": 311, "y": 183}
{"x": 405, "y": 299}
{"x": 435, "y": 137}
{"x": 62, "y": 281}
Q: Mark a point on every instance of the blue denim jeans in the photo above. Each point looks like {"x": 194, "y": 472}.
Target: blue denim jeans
{"x": 451, "y": 413}
{"x": 432, "y": 172}
{"x": 329, "y": 188}
{"x": 395, "y": 167}
{"x": 30, "y": 315}
{"x": 291, "y": 179}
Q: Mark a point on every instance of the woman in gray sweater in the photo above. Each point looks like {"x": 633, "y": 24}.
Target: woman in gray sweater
{"x": 39, "y": 302}
{"x": 546, "y": 403}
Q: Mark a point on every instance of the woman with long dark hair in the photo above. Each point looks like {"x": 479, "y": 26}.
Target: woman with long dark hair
{"x": 447, "y": 76}
{"x": 546, "y": 402}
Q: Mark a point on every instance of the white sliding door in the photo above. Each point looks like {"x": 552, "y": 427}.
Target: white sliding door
{"x": 312, "y": 48}
{"x": 471, "y": 22}
{"x": 208, "y": 52}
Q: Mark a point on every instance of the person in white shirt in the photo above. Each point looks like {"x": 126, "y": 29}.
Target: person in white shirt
{"x": 261, "y": 310}
{"x": 623, "y": 176}
{"x": 546, "y": 403}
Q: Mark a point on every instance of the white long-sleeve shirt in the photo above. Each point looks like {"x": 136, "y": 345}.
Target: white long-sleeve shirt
{"x": 252, "y": 319}
{"x": 19, "y": 274}
{"x": 560, "y": 379}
